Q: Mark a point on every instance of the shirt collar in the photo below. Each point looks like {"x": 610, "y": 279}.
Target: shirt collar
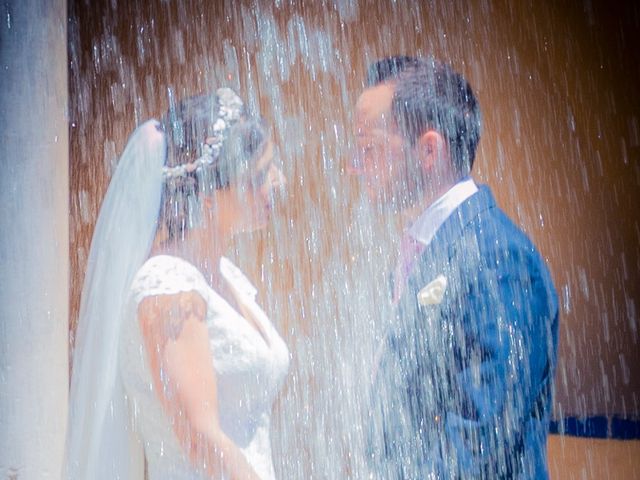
{"x": 427, "y": 224}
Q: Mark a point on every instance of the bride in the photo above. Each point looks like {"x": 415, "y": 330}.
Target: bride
{"x": 174, "y": 361}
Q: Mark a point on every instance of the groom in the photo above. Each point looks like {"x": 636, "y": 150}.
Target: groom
{"x": 463, "y": 381}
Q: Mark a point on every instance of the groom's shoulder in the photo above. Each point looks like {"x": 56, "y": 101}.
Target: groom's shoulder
{"x": 491, "y": 225}
{"x": 481, "y": 217}
{"x": 506, "y": 229}
{"x": 498, "y": 235}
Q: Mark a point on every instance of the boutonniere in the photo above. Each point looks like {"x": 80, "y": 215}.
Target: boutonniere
{"x": 432, "y": 293}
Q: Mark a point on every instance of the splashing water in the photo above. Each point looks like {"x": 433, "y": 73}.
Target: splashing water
{"x": 322, "y": 267}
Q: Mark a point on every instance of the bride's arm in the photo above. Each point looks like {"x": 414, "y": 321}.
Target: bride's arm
{"x": 177, "y": 345}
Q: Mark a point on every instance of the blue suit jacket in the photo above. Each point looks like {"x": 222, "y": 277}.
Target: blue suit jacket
{"x": 463, "y": 388}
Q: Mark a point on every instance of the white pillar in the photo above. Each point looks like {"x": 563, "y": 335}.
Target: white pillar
{"x": 34, "y": 238}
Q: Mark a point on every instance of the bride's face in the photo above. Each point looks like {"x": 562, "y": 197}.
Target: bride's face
{"x": 255, "y": 192}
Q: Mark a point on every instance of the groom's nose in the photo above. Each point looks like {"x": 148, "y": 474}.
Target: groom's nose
{"x": 279, "y": 179}
{"x": 277, "y": 182}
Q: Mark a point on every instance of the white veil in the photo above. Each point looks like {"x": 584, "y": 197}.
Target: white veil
{"x": 101, "y": 443}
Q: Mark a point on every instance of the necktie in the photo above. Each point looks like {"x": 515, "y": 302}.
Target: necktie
{"x": 410, "y": 251}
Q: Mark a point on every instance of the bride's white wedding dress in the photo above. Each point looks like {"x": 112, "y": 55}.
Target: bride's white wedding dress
{"x": 250, "y": 368}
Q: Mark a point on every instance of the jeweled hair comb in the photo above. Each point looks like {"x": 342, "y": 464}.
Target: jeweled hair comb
{"x": 229, "y": 112}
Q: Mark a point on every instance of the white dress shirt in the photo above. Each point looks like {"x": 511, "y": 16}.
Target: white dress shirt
{"x": 427, "y": 224}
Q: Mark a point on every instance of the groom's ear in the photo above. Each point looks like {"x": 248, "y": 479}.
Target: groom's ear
{"x": 431, "y": 148}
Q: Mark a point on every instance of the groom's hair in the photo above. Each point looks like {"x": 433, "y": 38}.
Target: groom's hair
{"x": 388, "y": 69}
{"x": 430, "y": 95}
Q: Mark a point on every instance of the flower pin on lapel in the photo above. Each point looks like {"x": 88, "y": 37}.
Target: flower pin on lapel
{"x": 432, "y": 293}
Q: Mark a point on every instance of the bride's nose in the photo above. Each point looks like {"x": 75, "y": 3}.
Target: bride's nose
{"x": 277, "y": 178}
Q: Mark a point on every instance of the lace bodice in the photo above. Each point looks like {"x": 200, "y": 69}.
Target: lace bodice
{"x": 250, "y": 367}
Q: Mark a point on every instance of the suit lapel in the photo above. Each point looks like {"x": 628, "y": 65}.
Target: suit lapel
{"x": 439, "y": 251}
{"x": 398, "y": 353}
{"x": 432, "y": 262}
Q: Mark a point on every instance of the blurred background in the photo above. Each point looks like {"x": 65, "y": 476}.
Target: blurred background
{"x": 558, "y": 86}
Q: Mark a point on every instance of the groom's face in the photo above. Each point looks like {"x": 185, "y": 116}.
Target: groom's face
{"x": 379, "y": 159}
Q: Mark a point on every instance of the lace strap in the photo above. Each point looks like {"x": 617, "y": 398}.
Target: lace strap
{"x": 166, "y": 275}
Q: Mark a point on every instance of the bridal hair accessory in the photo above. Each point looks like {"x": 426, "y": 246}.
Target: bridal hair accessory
{"x": 206, "y": 159}
{"x": 433, "y": 292}
{"x": 230, "y": 111}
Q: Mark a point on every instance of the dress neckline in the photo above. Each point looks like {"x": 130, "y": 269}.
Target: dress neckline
{"x": 244, "y": 311}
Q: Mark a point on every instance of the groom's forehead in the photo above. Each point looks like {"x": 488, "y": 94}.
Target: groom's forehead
{"x": 374, "y": 104}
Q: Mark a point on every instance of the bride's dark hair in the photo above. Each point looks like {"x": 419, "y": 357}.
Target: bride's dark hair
{"x": 236, "y": 148}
